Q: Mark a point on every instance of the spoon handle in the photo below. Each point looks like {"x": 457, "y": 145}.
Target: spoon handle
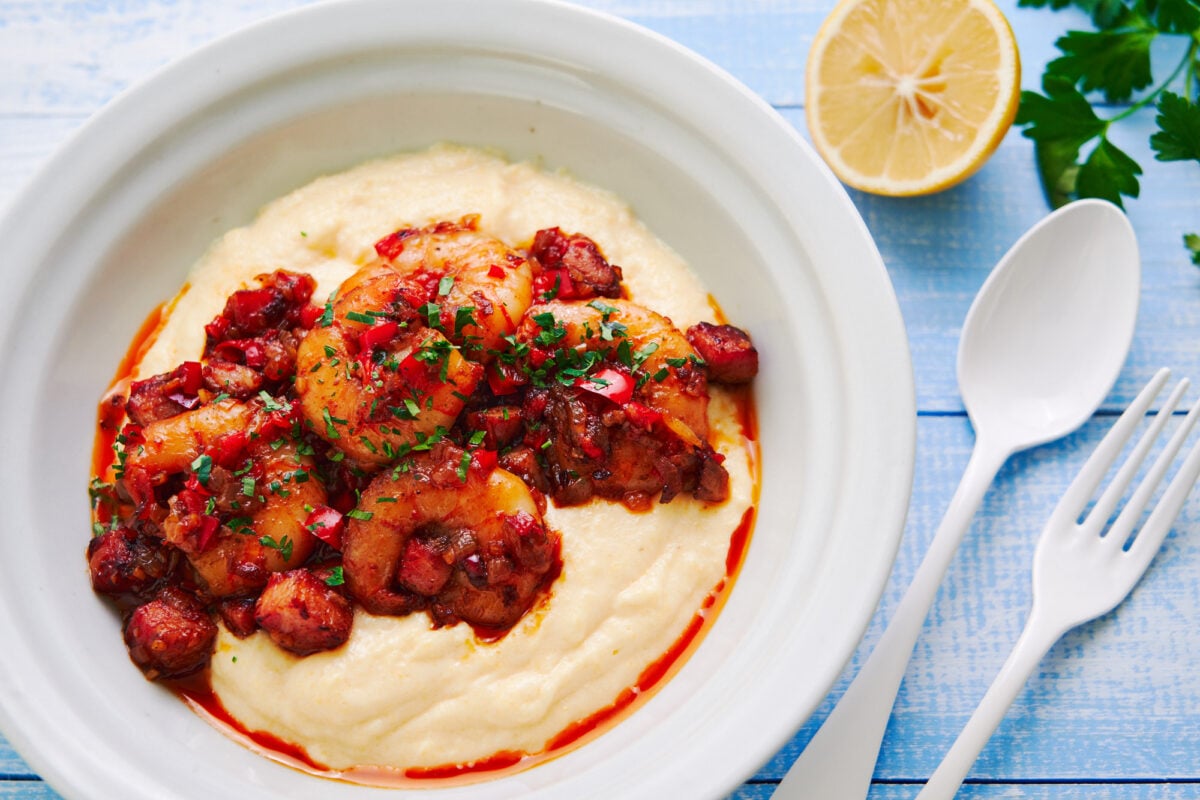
{"x": 840, "y": 760}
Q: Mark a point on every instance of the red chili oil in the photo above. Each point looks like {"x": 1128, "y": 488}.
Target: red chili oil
{"x": 110, "y": 414}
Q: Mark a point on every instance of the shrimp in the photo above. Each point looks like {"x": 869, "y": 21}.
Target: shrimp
{"x": 466, "y": 541}
{"x": 237, "y": 491}
{"x": 477, "y": 287}
{"x": 625, "y": 406}
{"x": 372, "y": 380}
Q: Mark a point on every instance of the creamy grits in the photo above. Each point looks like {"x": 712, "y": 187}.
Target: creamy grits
{"x": 401, "y": 694}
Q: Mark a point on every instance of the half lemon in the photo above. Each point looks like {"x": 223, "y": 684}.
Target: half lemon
{"x": 909, "y": 97}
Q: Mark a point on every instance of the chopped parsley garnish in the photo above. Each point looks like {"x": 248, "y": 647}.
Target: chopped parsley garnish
{"x": 202, "y": 466}
{"x": 326, "y": 318}
{"x": 331, "y": 431}
{"x": 284, "y": 546}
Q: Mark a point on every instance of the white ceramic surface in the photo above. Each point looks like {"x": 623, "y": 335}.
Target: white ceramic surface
{"x": 111, "y": 225}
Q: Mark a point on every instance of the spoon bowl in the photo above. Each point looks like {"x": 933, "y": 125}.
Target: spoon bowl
{"x": 1040, "y": 349}
{"x": 1049, "y": 331}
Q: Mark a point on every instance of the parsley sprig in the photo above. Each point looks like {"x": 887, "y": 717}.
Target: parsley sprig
{"x": 1075, "y": 156}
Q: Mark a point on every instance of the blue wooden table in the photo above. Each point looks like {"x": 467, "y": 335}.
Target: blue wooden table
{"x": 1115, "y": 709}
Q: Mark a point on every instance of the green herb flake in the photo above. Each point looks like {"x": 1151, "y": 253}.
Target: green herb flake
{"x": 284, "y": 546}
{"x": 202, "y": 466}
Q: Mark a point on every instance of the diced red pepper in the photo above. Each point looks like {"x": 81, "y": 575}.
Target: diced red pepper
{"x": 327, "y": 524}
{"x": 392, "y": 245}
{"x": 496, "y": 271}
{"x": 227, "y": 450}
{"x": 590, "y": 448}
{"x": 243, "y": 306}
{"x": 608, "y": 382}
{"x": 187, "y": 378}
{"x": 242, "y": 351}
{"x": 417, "y": 374}
{"x": 217, "y": 329}
{"x": 193, "y": 488}
{"x": 505, "y": 378}
{"x": 377, "y": 335}
{"x": 641, "y": 416}
{"x": 523, "y": 523}
{"x": 193, "y": 500}
{"x": 310, "y": 314}
{"x": 191, "y": 376}
{"x": 554, "y": 284}
{"x": 484, "y": 460}
{"x": 279, "y": 422}
{"x": 208, "y": 532}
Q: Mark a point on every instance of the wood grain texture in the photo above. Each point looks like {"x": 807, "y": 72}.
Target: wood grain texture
{"x": 1115, "y": 708}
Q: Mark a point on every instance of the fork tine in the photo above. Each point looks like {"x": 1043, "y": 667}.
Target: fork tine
{"x": 1150, "y": 537}
{"x": 1084, "y": 486}
{"x": 1107, "y": 503}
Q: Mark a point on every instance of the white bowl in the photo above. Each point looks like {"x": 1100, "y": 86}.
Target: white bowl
{"x": 111, "y": 225}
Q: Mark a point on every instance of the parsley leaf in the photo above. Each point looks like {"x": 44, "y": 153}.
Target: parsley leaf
{"x": 336, "y": 577}
{"x": 1115, "y": 62}
{"x": 1177, "y": 16}
{"x": 284, "y": 546}
{"x": 1178, "y": 137}
{"x": 1075, "y": 155}
{"x": 1062, "y": 115}
{"x": 1192, "y": 242}
{"x": 1108, "y": 173}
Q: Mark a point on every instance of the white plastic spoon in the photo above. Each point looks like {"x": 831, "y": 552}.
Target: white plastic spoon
{"x": 1040, "y": 349}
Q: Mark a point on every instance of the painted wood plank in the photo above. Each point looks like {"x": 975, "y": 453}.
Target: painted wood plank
{"x": 71, "y": 56}
{"x": 36, "y": 790}
{"x": 27, "y": 790}
{"x": 1025, "y": 791}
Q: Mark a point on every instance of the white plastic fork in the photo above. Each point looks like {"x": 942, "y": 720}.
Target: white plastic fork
{"x": 1084, "y": 569}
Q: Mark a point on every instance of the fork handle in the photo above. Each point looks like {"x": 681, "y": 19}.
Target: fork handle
{"x": 1038, "y": 636}
{"x": 840, "y": 759}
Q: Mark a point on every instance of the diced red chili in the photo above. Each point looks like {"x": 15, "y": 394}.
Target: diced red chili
{"x": 555, "y": 283}
{"x": 377, "y": 335}
{"x": 191, "y": 376}
{"x": 392, "y": 245}
{"x": 217, "y": 329}
{"x": 227, "y": 450}
{"x": 208, "y": 532}
{"x": 505, "y": 378}
{"x": 310, "y": 314}
{"x": 641, "y": 416}
{"x": 484, "y": 460}
{"x": 327, "y": 524}
{"x": 608, "y": 382}
{"x": 496, "y": 271}
{"x": 523, "y": 523}
{"x": 241, "y": 351}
